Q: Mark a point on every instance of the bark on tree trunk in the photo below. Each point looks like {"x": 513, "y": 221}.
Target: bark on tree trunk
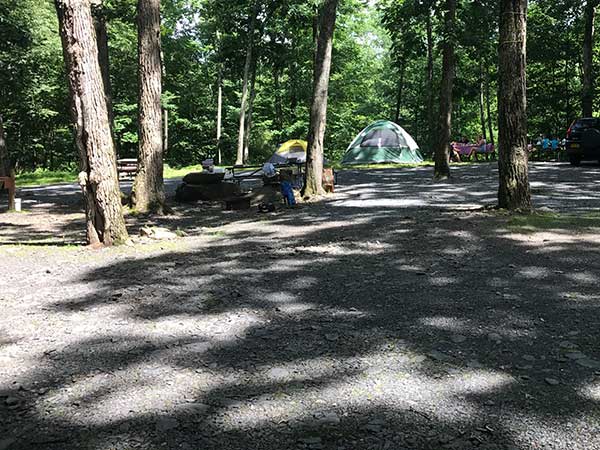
{"x": 514, "y": 193}
{"x": 104, "y": 61}
{"x": 148, "y": 189}
{"x": 165, "y": 113}
{"x": 313, "y": 178}
{"x": 588, "y": 64}
{"x": 98, "y": 175}
{"x": 430, "y": 94}
{"x": 219, "y": 113}
{"x": 6, "y": 169}
{"x": 489, "y": 107}
{"x": 277, "y": 71}
{"x": 567, "y": 93}
{"x": 247, "y": 66}
{"x": 442, "y": 166}
{"x": 400, "y": 92}
{"x": 249, "y": 115}
{"x": 482, "y": 103}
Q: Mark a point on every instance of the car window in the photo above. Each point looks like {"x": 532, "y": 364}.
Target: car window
{"x": 583, "y": 124}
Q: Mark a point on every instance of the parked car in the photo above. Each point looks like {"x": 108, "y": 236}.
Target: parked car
{"x": 583, "y": 140}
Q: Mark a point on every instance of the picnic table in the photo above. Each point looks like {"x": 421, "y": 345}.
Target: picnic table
{"x": 254, "y": 172}
{"x": 127, "y": 167}
{"x": 469, "y": 149}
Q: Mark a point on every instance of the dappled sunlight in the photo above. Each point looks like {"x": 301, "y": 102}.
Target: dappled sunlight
{"x": 592, "y": 391}
{"x": 446, "y": 323}
{"x": 334, "y": 322}
{"x": 535, "y": 273}
{"x": 443, "y": 281}
{"x": 584, "y": 278}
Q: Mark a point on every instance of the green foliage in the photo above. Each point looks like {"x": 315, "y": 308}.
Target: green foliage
{"x": 380, "y": 59}
{"x": 532, "y": 223}
{"x": 33, "y": 92}
{"x": 43, "y": 176}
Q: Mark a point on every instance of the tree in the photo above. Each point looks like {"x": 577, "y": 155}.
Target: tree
{"x": 430, "y": 68}
{"x": 148, "y": 190}
{"x": 588, "y": 66}
{"x": 5, "y": 165}
{"x": 514, "y": 192}
{"x": 240, "y": 158}
{"x": 219, "y": 98}
{"x": 98, "y": 14}
{"x": 6, "y": 169}
{"x": 442, "y": 166}
{"x": 248, "y": 125}
{"x": 98, "y": 167}
{"x": 313, "y": 179}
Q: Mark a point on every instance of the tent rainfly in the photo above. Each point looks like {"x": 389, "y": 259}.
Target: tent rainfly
{"x": 291, "y": 150}
{"x": 383, "y": 142}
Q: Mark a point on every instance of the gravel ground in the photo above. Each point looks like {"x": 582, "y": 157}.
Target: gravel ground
{"x": 398, "y": 314}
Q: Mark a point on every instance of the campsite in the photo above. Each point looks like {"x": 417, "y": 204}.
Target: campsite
{"x": 292, "y": 225}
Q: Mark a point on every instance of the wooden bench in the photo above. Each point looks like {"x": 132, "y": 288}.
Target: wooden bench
{"x": 8, "y": 183}
{"x": 127, "y": 167}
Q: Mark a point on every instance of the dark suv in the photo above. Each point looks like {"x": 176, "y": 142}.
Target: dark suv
{"x": 583, "y": 140}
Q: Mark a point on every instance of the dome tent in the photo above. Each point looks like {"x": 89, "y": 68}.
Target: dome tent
{"x": 294, "y": 149}
{"x": 383, "y": 142}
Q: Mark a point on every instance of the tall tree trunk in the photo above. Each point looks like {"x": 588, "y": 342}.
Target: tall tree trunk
{"x": 219, "y": 113}
{"x": 165, "y": 113}
{"x": 400, "y": 92}
{"x": 514, "y": 191}
{"x": 247, "y": 67}
{"x": 277, "y": 70}
{"x": 249, "y": 115}
{"x": 315, "y": 31}
{"x": 566, "y": 93}
{"x": 6, "y": 169}
{"x": 430, "y": 93}
{"x": 442, "y": 166}
{"x": 313, "y": 178}
{"x": 98, "y": 176}
{"x": 148, "y": 189}
{"x": 104, "y": 60}
{"x": 293, "y": 89}
{"x": 588, "y": 59}
{"x": 489, "y": 107}
{"x": 482, "y": 102}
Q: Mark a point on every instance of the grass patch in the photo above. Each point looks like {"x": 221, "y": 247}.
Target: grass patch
{"x": 547, "y": 221}
{"x": 339, "y": 166}
{"x": 180, "y": 172}
{"x": 41, "y": 177}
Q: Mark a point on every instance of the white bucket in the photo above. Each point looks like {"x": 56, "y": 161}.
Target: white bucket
{"x": 17, "y": 204}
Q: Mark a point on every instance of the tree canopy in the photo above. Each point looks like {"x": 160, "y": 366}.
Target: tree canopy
{"x": 386, "y": 65}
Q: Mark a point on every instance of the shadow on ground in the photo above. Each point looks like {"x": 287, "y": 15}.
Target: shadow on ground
{"x": 380, "y": 320}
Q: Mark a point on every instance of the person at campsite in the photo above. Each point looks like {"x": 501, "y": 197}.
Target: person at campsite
{"x": 287, "y": 190}
{"x": 545, "y": 144}
{"x": 480, "y": 146}
{"x": 453, "y": 153}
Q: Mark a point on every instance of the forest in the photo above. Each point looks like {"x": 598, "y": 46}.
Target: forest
{"x": 364, "y": 290}
{"x": 387, "y": 64}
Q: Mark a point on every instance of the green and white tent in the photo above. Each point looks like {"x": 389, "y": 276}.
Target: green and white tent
{"x": 383, "y": 142}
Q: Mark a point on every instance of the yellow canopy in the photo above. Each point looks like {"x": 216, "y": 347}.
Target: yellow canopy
{"x": 293, "y": 146}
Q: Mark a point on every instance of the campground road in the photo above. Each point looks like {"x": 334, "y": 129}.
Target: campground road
{"x": 396, "y": 315}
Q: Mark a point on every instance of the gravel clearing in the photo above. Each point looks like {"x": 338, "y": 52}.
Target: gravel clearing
{"x": 397, "y": 314}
